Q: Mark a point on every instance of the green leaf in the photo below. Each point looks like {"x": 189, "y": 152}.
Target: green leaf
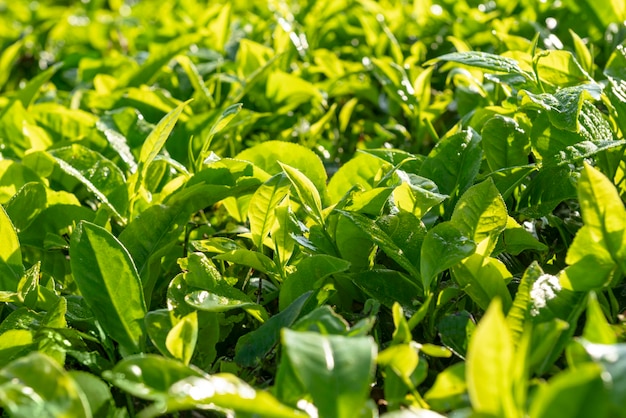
{"x": 254, "y": 346}
{"x": 322, "y": 320}
{"x": 369, "y": 202}
{"x": 564, "y": 107}
{"x": 152, "y": 233}
{"x": 159, "y": 57}
{"x": 309, "y": 274}
{"x": 11, "y": 268}
{"x": 215, "y": 294}
{"x": 612, "y": 358}
{"x": 523, "y": 303}
{"x": 14, "y": 344}
{"x": 603, "y": 213}
{"x": 29, "y": 201}
{"x": 508, "y": 180}
{"x": 359, "y": 170}
{"x": 388, "y": 287}
{"x": 454, "y": 162}
{"x": 604, "y": 13}
{"x": 9, "y": 55}
{"x": 560, "y": 68}
{"x": 573, "y": 393}
{"x": 546, "y": 190}
{"x": 253, "y": 259}
{"x": 443, "y": 247}
{"x": 597, "y": 329}
{"x": 485, "y": 61}
{"x": 307, "y": 192}
{"x": 416, "y": 194}
{"x": 490, "y": 361}
{"x": 176, "y": 387}
{"x": 287, "y": 91}
{"x": 224, "y": 392}
{"x": 455, "y": 331}
{"x": 98, "y": 174}
{"x": 158, "y": 325}
{"x": 284, "y": 244}
{"x": 153, "y": 145}
{"x": 261, "y": 211}
{"x": 181, "y": 339}
{"x": 515, "y": 239}
{"x": 380, "y": 238}
{"x": 29, "y": 92}
{"x": 269, "y": 154}
{"x": 222, "y": 121}
{"x": 36, "y": 386}
{"x": 335, "y": 370}
{"x": 149, "y": 376}
{"x": 96, "y": 392}
{"x": 449, "y": 390}
{"x": 407, "y": 232}
{"x": 559, "y": 146}
{"x": 481, "y": 214}
{"x": 505, "y": 143}
{"x": 108, "y": 280}
{"x": 483, "y": 279}
{"x": 583, "y": 54}
{"x": 211, "y": 302}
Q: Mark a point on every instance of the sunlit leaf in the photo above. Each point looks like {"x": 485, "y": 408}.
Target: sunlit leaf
{"x": 335, "y": 370}
{"x": 110, "y": 284}
{"x": 36, "y": 386}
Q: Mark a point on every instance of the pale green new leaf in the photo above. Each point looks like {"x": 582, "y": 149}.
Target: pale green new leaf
{"x": 490, "y": 361}
{"x": 262, "y": 207}
{"x": 481, "y": 214}
{"x": 269, "y": 154}
{"x": 156, "y": 140}
{"x": 306, "y": 191}
{"x": 153, "y": 145}
{"x": 483, "y": 279}
{"x": 597, "y": 329}
{"x": 603, "y": 212}
{"x": 576, "y": 393}
{"x": 182, "y": 338}
{"x": 11, "y": 268}
{"x": 36, "y": 386}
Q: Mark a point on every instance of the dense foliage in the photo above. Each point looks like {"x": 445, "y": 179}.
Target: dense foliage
{"x": 330, "y": 208}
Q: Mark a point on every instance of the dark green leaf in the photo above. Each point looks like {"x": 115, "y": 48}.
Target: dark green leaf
{"x": 443, "y": 247}
{"x": 454, "y": 162}
{"x": 309, "y": 274}
{"x": 380, "y": 238}
{"x": 253, "y": 346}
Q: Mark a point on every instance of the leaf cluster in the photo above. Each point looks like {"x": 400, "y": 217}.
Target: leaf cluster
{"x": 312, "y": 208}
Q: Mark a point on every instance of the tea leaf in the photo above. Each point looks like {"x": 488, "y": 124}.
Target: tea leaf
{"x": 108, "y": 280}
